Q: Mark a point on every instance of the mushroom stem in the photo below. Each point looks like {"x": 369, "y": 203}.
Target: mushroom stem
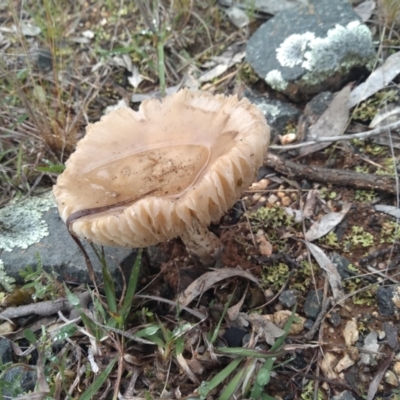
{"x": 203, "y": 243}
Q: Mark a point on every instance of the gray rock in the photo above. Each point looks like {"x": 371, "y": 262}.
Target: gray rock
{"x": 16, "y": 381}
{"x": 33, "y": 228}
{"x": 312, "y": 305}
{"x": 5, "y": 351}
{"x": 342, "y": 265}
{"x": 277, "y": 113}
{"x": 335, "y": 319}
{"x": 288, "y": 298}
{"x": 317, "y": 105}
{"x": 391, "y": 332}
{"x": 384, "y": 297}
{"x": 304, "y": 50}
{"x": 343, "y": 396}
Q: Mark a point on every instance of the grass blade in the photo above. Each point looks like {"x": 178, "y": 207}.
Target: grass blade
{"x": 132, "y": 284}
{"x": 93, "y": 389}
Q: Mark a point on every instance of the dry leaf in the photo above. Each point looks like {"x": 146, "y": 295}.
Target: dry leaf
{"x": 333, "y": 121}
{"x": 271, "y": 7}
{"x": 311, "y": 203}
{"x": 378, "y": 80}
{"x": 262, "y": 325}
{"x": 206, "y": 281}
{"x": 364, "y": 10}
{"x": 189, "y": 373}
{"x": 233, "y": 311}
{"x": 391, "y": 210}
{"x": 374, "y": 385}
{"x": 221, "y": 63}
{"x": 335, "y": 281}
{"x": 327, "y": 365}
{"x": 326, "y": 223}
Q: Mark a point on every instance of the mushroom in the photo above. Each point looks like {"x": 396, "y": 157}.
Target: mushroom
{"x": 168, "y": 170}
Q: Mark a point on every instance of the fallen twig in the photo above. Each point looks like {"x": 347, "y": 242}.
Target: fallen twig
{"x": 360, "y": 135}
{"x": 340, "y": 177}
{"x": 44, "y": 308}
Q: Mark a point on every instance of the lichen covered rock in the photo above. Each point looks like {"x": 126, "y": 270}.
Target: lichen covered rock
{"x": 305, "y": 50}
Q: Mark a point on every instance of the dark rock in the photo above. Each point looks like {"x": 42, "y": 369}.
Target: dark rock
{"x": 308, "y": 324}
{"x": 156, "y": 256}
{"x": 44, "y": 60}
{"x": 343, "y": 396}
{"x": 342, "y": 265}
{"x": 297, "y": 361}
{"x": 16, "y": 381}
{"x": 234, "y": 336}
{"x": 384, "y": 297}
{"x": 6, "y": 354}
{"x": 307, "y": 49}
{"x": 391, "y": 334}
{"x": 288, "y": 298}
{"x": 317, "y": 105}
{"x": 277, "y": 113}
{"x": 312, "y": 305}
{"x": 34, "y": 228}
{"x": 335, "y": 319}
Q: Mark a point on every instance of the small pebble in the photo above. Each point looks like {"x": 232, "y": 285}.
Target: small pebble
{"x": 272, "y": 199}
{"x": 286, "y": 201}
{"x": 262, "y": 199}
{"x": 260, "y": 185}
{"x": 256, "y": 196}
{"x": 391, "y": 378}
{"x": 288, "y": 138}
{"x": 281, "y": 194}
{"x": 381, "y": 265}
{"x": 396, "y": 368}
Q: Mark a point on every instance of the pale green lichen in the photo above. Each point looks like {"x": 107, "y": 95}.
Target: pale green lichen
{"x": 269, "y": 109}
{"x": 22, "y": 223}
{"x": 292, "y": 51}
{"x": 7, "y": 282}
{"x": 342, "y": 48}
{"x": 275, "y": 80}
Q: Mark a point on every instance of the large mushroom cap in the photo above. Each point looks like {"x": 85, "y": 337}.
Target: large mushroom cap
{"x": 173, "y": 167}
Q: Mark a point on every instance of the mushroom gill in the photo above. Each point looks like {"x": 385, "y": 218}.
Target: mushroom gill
{"x": 170, "y": 169}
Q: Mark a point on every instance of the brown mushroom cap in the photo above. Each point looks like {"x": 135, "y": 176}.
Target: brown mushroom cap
{"x": 170, "y": 169}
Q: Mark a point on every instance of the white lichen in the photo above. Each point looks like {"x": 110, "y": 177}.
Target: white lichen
{"x": 22, "y": 223}
{"x": 7, "y": 282}
{"x": 275, "y": 79}
{"x": 292, "y": 49}
{"x": 344, "y": 46}
{"x": 269, "y": 109}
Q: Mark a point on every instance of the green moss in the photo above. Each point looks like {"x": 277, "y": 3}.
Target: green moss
{"x": 330, "y": 240}
{"x": 361, "y": 296}
{"x": 367, "y": 110}
{"x": 274, "y": 217}
{"x": 390, "y": 232}
{"x": 365, "y": 196}
{"x": 389, "y": 165}
{"x": 359, "y": 238}
{"x": 275, "y": 275}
